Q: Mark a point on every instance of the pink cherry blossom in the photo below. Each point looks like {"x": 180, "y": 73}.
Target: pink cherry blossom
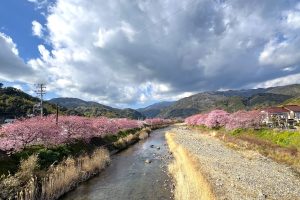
{"x": 220, "y": 118}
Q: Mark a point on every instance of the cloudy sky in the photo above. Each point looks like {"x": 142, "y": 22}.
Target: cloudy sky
{"x": 130, "y": 53}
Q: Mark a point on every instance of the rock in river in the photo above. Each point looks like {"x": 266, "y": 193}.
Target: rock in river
{"x": 148, "y": 161}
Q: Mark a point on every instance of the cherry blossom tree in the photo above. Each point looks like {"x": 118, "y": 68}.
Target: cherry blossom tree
{"x": 216, "y": 119}
{"x": 33, "y": 131}
{"x": 45, "y": 131}
{"x": 244, "y": 119}
{"x": 75, "y": 128}
{"x": 220, "y": 118}
{"x": 157, "y": 121}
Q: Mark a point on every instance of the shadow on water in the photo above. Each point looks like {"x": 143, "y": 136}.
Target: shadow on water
{"x": 129, "y": 177}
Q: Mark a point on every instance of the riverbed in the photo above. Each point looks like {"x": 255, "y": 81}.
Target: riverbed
{"x": 129, "y": 177}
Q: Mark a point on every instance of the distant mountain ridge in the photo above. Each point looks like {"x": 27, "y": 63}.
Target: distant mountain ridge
{"x": 94, "y": 109}
{"x": 16, "y": 103}
{"x": 153, "y": 110}
{"x": 231, "y": 100}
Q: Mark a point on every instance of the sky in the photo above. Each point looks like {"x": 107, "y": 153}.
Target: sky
{"x": 131, "y": 53}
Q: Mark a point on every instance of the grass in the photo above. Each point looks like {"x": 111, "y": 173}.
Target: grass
{"x": 282, "y": 138}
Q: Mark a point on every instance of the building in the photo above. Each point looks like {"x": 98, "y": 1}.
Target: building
{"x": 294, "y": 112}
{"x": 275, "y": 116}
{"x": 9, "y": 121}
{"x": 284, "y": 116}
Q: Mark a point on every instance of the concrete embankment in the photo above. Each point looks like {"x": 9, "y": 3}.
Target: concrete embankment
{"x": 205, "y": 168}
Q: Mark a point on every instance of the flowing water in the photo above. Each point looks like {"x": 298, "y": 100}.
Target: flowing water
{"x": 129, "y": 177}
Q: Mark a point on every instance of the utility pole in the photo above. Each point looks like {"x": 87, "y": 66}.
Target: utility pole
{"x": 40, "y": 91}
{"x": 56, "y": 114}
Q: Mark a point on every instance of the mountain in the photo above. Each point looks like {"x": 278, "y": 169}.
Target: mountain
{"x": 154, "y": 109}
{"x": 15, "y": 103}
{"x": 291, "y": 90}
{"x": 292, "y": 101}
{"x": 94, "y": 109}
{"x": 231, "y": 100}
{"x": 201, "y": 102}
{"x": 72, "y": 102}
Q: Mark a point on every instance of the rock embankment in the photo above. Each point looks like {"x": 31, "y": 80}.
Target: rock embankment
{"x": 229, "y": 174}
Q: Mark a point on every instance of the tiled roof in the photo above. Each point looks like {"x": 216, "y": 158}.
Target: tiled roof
{"x": 276, "y": 110}
{"x": 294, "y": 108}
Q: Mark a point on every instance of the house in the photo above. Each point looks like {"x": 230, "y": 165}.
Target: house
{"x": 9, "y": 121}
{"x": 275, "y": 116}
{"x": 282, "y": 117}
{"x": 294, "y": 112}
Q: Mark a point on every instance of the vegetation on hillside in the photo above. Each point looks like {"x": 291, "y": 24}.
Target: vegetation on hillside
{"x": 94, "y": 109}
{"x": 292, "y": 101}
{"x": 15, "y": 103}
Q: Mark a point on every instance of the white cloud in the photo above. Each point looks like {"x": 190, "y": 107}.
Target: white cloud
{"x": 293, "y": 19}
{"x": 121, "y": 52}
{"x": 39, "y": 3}
{"x": 103, "y": 36}
{"x": 18, "y": 86}
{"x": 281, "y": 54}
{"x": 12, "y": 67}
{"x": 37, "y": 29}
{"x": 9, "y": 43}
{"x": 286, "y": 80}
{"x": 128, "y": 31}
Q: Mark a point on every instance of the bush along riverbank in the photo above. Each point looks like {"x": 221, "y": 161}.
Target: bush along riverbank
{"x": 42, "y": 171}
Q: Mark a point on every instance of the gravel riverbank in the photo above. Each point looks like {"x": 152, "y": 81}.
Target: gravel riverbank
{"x": 236, "y": 174}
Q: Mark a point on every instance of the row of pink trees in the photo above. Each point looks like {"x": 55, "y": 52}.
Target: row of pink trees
{"x": 220, "y": 118}
{"x": 45, "y": 131}
{"x": 157, "y": 121}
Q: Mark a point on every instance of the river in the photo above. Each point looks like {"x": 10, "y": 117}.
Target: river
{"x": 129, "y": 177}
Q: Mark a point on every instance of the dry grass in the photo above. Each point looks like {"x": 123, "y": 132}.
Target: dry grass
{"x": 23, "y": 184}
{"x": 96, "y": 162}
{"x": 124, "y": 142}
{"x": 27, "y": 184}
{"x": 63, "y": 177}
{"x": 27, "y": 168}
{"x": 190, "y": 181}
{"x": 60, "y": 179}
{"x": 143, "y": 135}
